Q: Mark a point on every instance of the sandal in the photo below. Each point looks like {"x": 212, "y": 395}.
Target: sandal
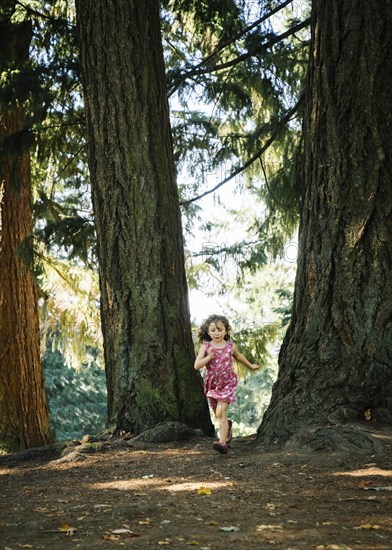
{"x": 220, "y": 447}
{"x": 230, "y": 436}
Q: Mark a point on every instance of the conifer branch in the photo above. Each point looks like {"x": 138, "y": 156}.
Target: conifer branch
{"x": 198, "y": 71}
{"x": 255, "y": 157}
{"x": 227, "y": 43}
{"x": 42, "y": 15}
{"x": 268, "y": 186}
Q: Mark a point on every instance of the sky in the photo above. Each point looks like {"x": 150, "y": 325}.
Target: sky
{"x": 215, "y": 207}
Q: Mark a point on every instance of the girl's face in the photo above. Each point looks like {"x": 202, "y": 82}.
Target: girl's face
{"x": 216, "y": 331}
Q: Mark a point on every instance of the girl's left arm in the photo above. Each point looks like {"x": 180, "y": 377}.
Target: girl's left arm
{"x": 243, "y": 360}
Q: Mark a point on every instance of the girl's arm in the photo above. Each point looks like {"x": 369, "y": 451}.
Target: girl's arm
{"x": 202, "y": 359}
{"x": 242, "y": 359}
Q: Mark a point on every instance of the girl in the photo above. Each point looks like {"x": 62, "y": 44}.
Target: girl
{"x": 216, "y": 354}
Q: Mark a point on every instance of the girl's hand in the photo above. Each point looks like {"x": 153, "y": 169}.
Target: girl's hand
{"x": 254, "y": 366}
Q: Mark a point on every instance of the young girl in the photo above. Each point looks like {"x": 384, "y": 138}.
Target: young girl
{"x": 216, "y": 354}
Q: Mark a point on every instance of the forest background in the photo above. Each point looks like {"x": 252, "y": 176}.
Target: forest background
{"x": 237, "y": 137}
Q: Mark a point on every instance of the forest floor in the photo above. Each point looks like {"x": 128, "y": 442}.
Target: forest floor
{"x": 184, "y": 494}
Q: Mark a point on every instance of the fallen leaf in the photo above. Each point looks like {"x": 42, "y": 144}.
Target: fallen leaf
{"x": 124, "y": 532}
{"x": 364, "y": 483}
{"x": 67, "y": 529}
{"x": 146, "y": 521}
{"x": 270, "y": 506}
{"x": 64, "y": 527}
{"x": 229, "y": 529}
{"x": 110, "y": 537}
{"x": 204, "y": 490}
{"x": 213, "y": 523}
{"x": 166, "y": 541}
{"x": 368, "y": 414}
{"x": 368, "y": 526}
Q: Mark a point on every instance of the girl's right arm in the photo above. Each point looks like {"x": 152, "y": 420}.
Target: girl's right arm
{"x": 202, "y": 359}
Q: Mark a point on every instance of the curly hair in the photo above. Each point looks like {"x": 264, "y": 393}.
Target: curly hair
{"x": 217, "y": 319}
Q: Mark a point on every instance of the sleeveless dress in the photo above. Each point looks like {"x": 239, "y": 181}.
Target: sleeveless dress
{"x": 220, "y": 382}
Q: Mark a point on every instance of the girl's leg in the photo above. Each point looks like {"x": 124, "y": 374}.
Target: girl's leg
{"x": 221, "y": 410}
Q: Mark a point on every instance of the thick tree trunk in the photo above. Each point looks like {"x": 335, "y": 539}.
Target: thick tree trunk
{"x": 24, "y": 418}
{"x": 145, "y": 319}
{"x": 336, "y": 359}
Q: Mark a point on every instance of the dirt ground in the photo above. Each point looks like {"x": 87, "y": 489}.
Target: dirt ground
{"x": 181, "y": 495}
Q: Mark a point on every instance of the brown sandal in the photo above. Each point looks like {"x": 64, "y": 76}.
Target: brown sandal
{"x": 220, "y": 447}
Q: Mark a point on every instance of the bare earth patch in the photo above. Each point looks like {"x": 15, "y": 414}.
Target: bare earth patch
{"x": 180, "y": 495}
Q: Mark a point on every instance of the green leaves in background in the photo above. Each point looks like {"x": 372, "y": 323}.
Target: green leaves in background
{"x": 77, "y": 397}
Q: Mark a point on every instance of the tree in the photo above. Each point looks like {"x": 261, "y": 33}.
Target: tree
{"x": 145, "y": 319}
{"x": 335, "y": 362}
{"x": 23, "y": 408}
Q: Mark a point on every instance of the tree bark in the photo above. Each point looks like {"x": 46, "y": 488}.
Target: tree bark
{"x": 24, "y": 420}
{"x": 335, "y": 364}
{"x": 148, "y": 347}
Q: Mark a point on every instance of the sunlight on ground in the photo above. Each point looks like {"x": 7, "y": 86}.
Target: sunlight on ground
{"x": 158, "y": 483}
{"x": 193, "y": 486}
{"x": 6, "y": 471}
{"x": 372, "y": 471}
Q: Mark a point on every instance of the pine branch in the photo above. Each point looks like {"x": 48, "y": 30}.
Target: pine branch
{"x": 268, "y": 186}
{"x": 255, "y": 157}
{"x": 42, "y": 15}
{"x": 256, "y": 51}
{"x": 227, "y": 43}
{"x": 197, "y": 71}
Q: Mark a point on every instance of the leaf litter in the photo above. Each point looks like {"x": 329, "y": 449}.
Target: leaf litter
{"x": 247, "y": 499}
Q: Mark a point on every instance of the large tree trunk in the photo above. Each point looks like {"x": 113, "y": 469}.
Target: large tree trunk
{"x": 336, "y": 359}
{"x": 149, "y": 352}
{"x": 24, "y": 418}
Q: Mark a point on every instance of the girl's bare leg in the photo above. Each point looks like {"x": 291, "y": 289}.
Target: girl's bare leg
{"x": 222, "y": 420}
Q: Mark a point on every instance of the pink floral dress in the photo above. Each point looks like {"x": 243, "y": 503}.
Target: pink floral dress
{"x": 220, "y": 382}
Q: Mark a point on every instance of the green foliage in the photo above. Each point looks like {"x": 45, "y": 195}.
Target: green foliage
{"x": 286, "y": 304}
{"x": 236, "y": 80}
{"x": 253, "y": 396}
{"x": 77, "y": 397}
{"x": 69, "y": 312}
{"x": 254, "y": 343}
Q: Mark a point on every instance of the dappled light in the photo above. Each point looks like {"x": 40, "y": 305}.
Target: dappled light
{"x": 186, "y": 494}
{"x": 150, "y": 483}
{"x": 371, "y": 471}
